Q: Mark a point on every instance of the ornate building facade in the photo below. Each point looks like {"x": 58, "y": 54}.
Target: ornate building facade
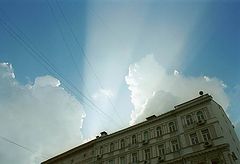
{"x": 195, "y": 132}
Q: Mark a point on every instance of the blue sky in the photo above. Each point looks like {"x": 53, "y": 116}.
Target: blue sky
{"x": 95, "y": 46}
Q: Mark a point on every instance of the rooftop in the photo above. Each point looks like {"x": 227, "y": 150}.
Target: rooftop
{"x": 150, "y": 119}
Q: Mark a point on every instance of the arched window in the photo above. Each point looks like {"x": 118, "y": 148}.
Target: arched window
{"x": 189, "y": 119}
{"x": 200, "y": 115}
{"x": 134, "y": 139}
{"x": 111, "y": 147}
{"x": 159, "y": 131}
{"x": 122, "y": 143}
{"x": 171, "y": 126}
{"x": 145, "y": 135}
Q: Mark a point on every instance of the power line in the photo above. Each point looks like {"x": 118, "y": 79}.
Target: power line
{"x": 86, "y": 58}
{"x": 44, "y": 61}
{"x": 22, "y": 147}
{"x": 66, "y": 44}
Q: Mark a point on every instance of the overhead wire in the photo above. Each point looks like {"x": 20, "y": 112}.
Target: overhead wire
{"x": 68, "y": 48}
{"x": 39, "y": 56}
{"x": 86, "y": 58}
{"x": 67, "y": 45}
{"x": 22, "y": 147}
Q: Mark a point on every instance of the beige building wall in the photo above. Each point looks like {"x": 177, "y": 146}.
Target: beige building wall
{"x": 195, "y": 132}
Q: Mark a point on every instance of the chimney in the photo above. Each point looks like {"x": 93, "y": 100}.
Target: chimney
{"x": 103, "y": 134}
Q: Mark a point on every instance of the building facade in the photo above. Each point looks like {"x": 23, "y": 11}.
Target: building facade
{"x": 195, "y": 132}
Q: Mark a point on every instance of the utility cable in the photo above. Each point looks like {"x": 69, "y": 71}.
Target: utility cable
{"x": 87, "y": 60}
{"x": 43, "y": 60}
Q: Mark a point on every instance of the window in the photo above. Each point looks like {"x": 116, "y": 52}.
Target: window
{"x": 159, "y": 131}
{"x": 122, "y": 143}
{"x": 101, "y": 150}
{"x": 134, "y": 139}
{"x": 200, "y": 115}
{"x": 189, "y": 120}
{"x": 122, "y": 160}
{"x": 111, "y": 161}
{"x": 145, "y": 135}
{"x": 171, "y": 127}
{"x": 206, "y": 135}
{"x": 134, "y": 157}
{"x": 194, "y": 138}
{"x": 175, "y": 146}
{"x": 147, "y": 154}
{"x": 161, "y": 150}
{"x": 111, "y": 147}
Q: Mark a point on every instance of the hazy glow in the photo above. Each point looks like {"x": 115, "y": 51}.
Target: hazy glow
{"x": 116, "y": 36}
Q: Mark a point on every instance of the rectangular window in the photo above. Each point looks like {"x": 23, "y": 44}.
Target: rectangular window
{"x": 200, "y": 115}
{"x": 111, "y": 162}
{"x": 159, "y": 131}
{"x": 161, "y": 150}
{"x": 122, "y": 160}
{"x": 172, "y": 127}
{"x": 134, "y": 139}
{"x": 134, "y": 157}
{"x": 111, "y": 147}
{"x": 101, "y": 150}
{"x": 145, "y": 135}
{"x": 194, "y": 138}
{"x": 189, "y": 120}
{"x": 206, "y": 135}
{"x": 147, "y": 154}
{"x": 175, "y": 146}
{"x": 122, "y": 143}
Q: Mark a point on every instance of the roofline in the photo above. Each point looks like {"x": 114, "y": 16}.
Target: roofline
{"x": 177, "y": 109}
{"x": 190, "y": 102}
{"x": 71, "y": 151}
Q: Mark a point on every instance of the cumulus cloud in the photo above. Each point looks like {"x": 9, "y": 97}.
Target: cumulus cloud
{"x": 154, "y": 90}
{"x": 41, "y": 116}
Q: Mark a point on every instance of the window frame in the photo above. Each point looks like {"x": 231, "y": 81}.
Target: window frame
{"x": 200, "y": 116}
{"x": 207, "y": 135}
{"x": 134, "y": 139}
{"x": 172, "y": 126}
{"x": 101, "y": 151}
{"x": 159, "y": 131}
{"x": 175, "y": 145}
{"x": 111, "y": 147}
{"x": 111, "y": 161}
{"x": 161, "y": 149}
{"x": 147, "y": 154}
{"x": 189, "y": 119}
{"x": 194, "y": 138}
{"x": 145, "y": 135}
{"x": 122, "y": 143}
{"x": 122, "y": 160}
{"x": 134, "y": 157}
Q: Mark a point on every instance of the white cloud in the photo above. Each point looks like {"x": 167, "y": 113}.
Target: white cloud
{"x": 103, "y": 93}
{"x": 41, "y": 116}
{"x": 154, "y": 90}
{"x": 46, "y": 81}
